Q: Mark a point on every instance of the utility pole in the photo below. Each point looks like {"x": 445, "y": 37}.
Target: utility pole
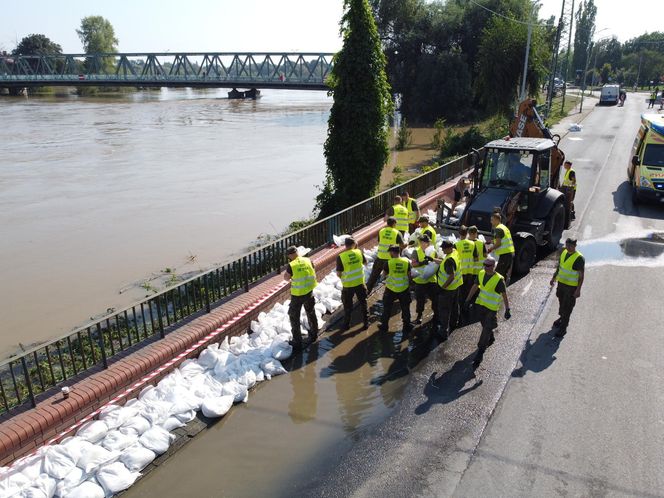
{"x": 569, "y": 48}
{"x": 554, "y": 62}
{"x": 585, "y": 74}
{"x": 525, "y": 62}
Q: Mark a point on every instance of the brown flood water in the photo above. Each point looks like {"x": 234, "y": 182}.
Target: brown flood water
{"x": 100, "y": 195}
{"x": 296, "y": 424}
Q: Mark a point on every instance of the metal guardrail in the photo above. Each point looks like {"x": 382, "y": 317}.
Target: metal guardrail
{"x": 267, "y": 70}
{"x": 93, "y": 345}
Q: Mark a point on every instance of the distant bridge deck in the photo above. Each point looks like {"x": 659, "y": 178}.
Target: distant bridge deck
{"x": 292, "y": 71}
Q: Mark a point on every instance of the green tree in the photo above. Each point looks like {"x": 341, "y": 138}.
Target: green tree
{"x": 605, "y": 73}
{"x": 356, "y": 148}
{"x": 584, "y": 30}
{"x": 36, "y": 44}
{"x": 97, "y": 35}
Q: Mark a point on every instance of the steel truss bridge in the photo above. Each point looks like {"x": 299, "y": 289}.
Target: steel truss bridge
{"x": 294, "y": 71}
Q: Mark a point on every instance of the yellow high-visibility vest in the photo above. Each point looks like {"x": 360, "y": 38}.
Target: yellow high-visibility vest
{"x": 479, "y": 264}
{"x": 420, "y": 259}
{"x": 353, "y": 273}
{"x": 465, "y": 248}
{"x": 397, "y": 277}
{"x": 401, "y": 215}
{"x": 506, "y": 245}
{"x": 566, "y": 273}
{"x": 428, "y": 230}
{"x": 488, "y": 297}
{"x": 303, "y": 279}
{"x": 386, "y": 237}
{"x": 412, "y": 215}
{"x": 567, "y": 182}
{"x": 442, "y": 276}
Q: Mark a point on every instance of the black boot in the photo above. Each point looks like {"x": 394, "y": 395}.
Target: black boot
{"x": 478, "y": 359}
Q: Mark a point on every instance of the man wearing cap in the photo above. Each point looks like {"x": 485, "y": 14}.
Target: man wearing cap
{"x": 569, "y": 187}
{"x": 491, "y": 286}
{"x": 350, "y": 269}
{"x": 449, "y": 281}
{"x": 302, "y": 276}
{"x": 503, "y": 246}
{"x": 425, "y": 287}
{"x": 397, "y": 286}
{"x": 413, "y": 210}
{"x": 387, "y": 236}
{"x": 569, "y": 275}
{"x": 426, "y": 229}
{"x": 400, "y": 213}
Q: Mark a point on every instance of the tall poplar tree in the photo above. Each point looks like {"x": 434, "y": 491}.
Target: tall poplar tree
{"x": 356, "y": 148}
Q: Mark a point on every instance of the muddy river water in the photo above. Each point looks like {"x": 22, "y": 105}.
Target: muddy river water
{"x": 100, "y": 196}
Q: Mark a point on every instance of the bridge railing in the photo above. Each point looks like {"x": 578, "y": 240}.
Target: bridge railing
{"x": 40, "y": 369}
{"x": 253, "y": 68}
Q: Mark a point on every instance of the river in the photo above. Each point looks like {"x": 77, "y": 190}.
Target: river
{"x": 105, "y": 200}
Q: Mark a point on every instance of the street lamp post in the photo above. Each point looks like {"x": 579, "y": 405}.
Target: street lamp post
{"x": 591, "y": 46}
{"x": 525, "y": 62}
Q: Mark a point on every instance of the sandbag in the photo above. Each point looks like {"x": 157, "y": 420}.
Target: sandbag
{"x": 42, "y": 487}
{"x": 172, "y": 423}
{"x": 71, "y": 480}
{"x": 59, "y": 461}
{"x": 87, "y": 489}
{"x": 157, "y": 412}
{"x": 94, "y": 431}
{"x": 115, "y": 477}
{"x": 186, "y": 417}
{"x": 94, "y": 457}
{"x": 138, "y": 424}
{"x": 272, "y": 367}
{"x": 137, "y": 457}
{"x": 156, "y": 439}
{"x": 281, "y": 350}
{"x": 217, "y": 407}
{"x": 116, "y": 418}
{"x": 339, "y": 240}
{"x": 30, "y": 467}
{"x": 118, "y": 441}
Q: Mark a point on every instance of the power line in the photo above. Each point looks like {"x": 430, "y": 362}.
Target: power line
{"x": 526, "y": 23}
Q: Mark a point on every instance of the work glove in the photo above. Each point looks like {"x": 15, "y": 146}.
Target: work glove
{"x": 508, "y": 314}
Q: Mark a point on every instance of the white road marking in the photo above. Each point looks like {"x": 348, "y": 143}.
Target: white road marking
{"x": 574, "y": 138}
{"x": 526, "y": 288}
{"x": 587, "y": 232}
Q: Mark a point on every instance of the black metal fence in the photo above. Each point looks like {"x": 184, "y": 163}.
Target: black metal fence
{"x": 49, "y": 365}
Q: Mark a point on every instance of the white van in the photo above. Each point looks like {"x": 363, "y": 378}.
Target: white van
{"x": 609, "y": 95}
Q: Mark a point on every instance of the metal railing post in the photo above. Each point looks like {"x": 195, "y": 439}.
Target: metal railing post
{"x": 245, "y": 273}
{"x": 206, "y": 282}
{"x": 159, "y": 319}
{"x": 28, "y": 382}
{"x": 104, "y": 360}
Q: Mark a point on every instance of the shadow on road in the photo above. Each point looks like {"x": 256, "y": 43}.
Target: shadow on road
{"x": 539, "y": 355}
{"x": 622, "y": 202}
{"x": 450, "y": 386}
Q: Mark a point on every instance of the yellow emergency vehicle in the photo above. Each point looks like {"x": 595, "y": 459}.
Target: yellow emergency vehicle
{"x": 646, "y": 167}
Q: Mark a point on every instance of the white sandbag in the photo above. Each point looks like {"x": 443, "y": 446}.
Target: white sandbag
{"x": 42, "y": 487}
{"x": 116, "y": 418}
{"x": 59, "y": 461}
{"x": 216, "y": 407}
{"x": 208, "y": 357}
{"x": 87, "y": 489}
{"x": 320, "y": 308}
{"x": 94, "y": 457}
{"x": 272, "y": 368}
{"x": 93, "y": 431}
{"x": 115, "y": 477}
{"x": 186, "y": 417}
{"x": 156, "y": 439}
{"x": 340, "y": 240}
{"x": 149, "y": 394}
{"x": 190, "y": 368}
{"x": 247, "y": 378}
{"x": 137, "y": 457}
{"x": 118, "y": 441}
{"x": 157, "y": 412}
{"x": 10, "y": 488}
{"x": 172, "y": 423}
{"x": 30, "y": 467}
{"x": 71, "y": 480}
{"x": 183, "y": 399}
{"x": 239, "y": 392}
{"x": 281, "y": 350}
{"x": 138, "y": 424}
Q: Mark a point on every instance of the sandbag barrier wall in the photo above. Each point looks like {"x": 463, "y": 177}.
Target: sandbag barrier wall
{"x": 55, "y": 416}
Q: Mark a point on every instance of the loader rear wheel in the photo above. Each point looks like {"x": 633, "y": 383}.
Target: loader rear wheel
{"x": 526, "y": 252}
{"x": 555, "y": 224}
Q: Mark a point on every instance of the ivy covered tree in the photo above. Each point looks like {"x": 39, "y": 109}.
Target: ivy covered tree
{"x": 356, "y": 148}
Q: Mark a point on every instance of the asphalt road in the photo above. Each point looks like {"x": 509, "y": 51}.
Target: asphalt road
{"x": 579, "y": 417}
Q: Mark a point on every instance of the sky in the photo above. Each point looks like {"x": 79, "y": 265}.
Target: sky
{"x": 246, "y": 25}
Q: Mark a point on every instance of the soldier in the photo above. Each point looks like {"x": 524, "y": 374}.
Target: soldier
{"x": 302, "y": 276}
{"x": 569, "y": 275}
{"x": 387, "y": 236}
{"x": 425, "y": 287}
{"x": 397, "y": 286}
{"x": 413, "y": 210}
{"x": 350, "y": 269}
{"x": 426, "y": 229}
{"x": 503, "y": 246}
{"x": 400, "y": 213}
{"x": 491, "y": 286}
{"x": 466, "y": 250}
{"x": 449, "y": 280}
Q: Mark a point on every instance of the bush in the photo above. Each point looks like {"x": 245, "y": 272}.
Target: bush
{"x": 403, "y": 136}
{"x": 459, "y": 144}
{"x": 437, "y": 140}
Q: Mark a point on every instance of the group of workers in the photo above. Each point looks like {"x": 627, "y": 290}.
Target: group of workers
{"x": 466, "y": 277}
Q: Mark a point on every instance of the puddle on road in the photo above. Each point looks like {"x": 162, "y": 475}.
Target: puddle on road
{"x": 635, "y": 251}
{"x": 296, "y": 424}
